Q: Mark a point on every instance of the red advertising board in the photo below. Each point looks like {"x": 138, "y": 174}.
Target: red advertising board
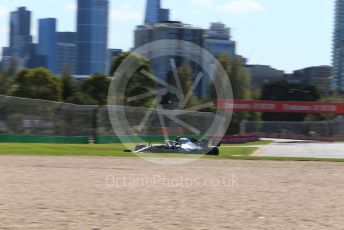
{"x": 282, "y": 106}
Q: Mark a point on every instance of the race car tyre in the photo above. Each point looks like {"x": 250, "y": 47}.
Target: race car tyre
{"x": 214, "y": 152}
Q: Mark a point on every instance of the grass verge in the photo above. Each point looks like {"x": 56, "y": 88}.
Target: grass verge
{"x": 116, "y": 150}
{"x": 256, "y": 143}
{"x": 111, "y": 150}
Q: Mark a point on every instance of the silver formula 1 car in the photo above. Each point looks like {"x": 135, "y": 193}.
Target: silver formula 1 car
{"x": 180, "y": 145}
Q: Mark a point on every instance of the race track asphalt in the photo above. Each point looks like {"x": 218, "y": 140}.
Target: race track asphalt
{"x": 303, "y": 149}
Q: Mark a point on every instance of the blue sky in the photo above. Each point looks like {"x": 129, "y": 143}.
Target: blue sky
{"x": 286, "y": 34}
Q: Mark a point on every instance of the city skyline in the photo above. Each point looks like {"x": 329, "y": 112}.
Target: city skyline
{"x": 290, "y": 42}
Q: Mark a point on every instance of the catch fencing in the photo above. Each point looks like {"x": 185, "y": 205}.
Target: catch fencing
{"x": 31, "y": 120}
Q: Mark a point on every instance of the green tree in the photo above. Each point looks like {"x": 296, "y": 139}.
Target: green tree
{"x": 186, "y": 81}
{"x": 117, "y": 61}
{"x": 171, "y": 100}
{"x": 255, "y": 94}
{"x": 71, "y": 91}
{"x": 69, "y": 85}
{"x": 238, "y": 76}
{"x": 11, "y": 71}
{"x": 3, "y": 83}
{"x": 97, "y": 88}
{"x": 239, "y": 79}
{"x": 37, "y": 83}
{"x": 81, "y": 98}
{"x": 7, "y": 77}
{"x": 140, "y": 80}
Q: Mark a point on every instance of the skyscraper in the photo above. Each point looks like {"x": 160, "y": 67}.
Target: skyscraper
{"x": 20, "y": 36}
{"x": 218, "y": 40}
{"x": 47, "y": 43}
{"x": 92, "y": 36}
{"x": 66, "y": 51}
{"x": 162, "y": 67}
{"x": 35, "y": 59}
{"x": 338, "y": 48}
{"x": 164, "y": 15}
{"x": 154, "y": 12}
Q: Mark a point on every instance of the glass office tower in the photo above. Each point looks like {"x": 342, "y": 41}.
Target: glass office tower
{"x": 20, "y": 36}
{"x": 47, "y": 42}
{"x": 338, "y": 49}
{"x": 92, "y": 36}
{"x": 154, "y": 12}
{"x": 66, "y": 51}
